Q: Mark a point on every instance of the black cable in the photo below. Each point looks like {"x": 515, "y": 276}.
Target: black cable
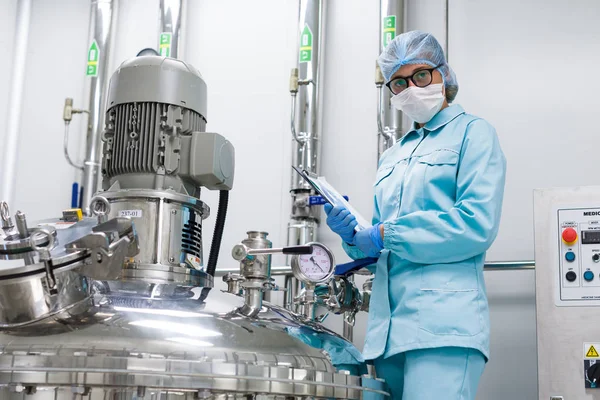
{"x": 218, "y": 233}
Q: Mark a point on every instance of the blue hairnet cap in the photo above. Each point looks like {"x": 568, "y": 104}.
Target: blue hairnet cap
{"x": 417, "y": 47}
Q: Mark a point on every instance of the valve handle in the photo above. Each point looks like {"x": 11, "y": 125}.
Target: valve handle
{"x": 241, "y": 251}
{"x": 298, "y": 250}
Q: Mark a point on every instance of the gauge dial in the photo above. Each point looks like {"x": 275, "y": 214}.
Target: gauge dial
{"x": 316, "y": 267}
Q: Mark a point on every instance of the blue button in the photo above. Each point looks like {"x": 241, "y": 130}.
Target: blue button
{"x": 570, "y": 256}
{"x": 588, "y": 276}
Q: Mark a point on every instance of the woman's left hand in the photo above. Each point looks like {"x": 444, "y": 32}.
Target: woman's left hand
{"x": 369, "y": 240}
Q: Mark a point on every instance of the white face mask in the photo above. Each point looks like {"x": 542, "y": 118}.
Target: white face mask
{"x": 420, "y": 104}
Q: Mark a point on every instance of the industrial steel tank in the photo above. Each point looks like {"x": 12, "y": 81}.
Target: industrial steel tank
{"x": 121, "y": 305}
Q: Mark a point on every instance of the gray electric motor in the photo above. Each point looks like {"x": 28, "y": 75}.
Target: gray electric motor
{"x": 156, "y": 158}
{"x": 155, "y": 130}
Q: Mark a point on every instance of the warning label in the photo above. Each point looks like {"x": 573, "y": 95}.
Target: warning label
{"x": 590, "y": 350}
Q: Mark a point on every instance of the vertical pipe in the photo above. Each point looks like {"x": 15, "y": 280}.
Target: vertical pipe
{"x": 310, "y": 28}
{"x": 102, "y": 21}
{"x": 11, "y": 144}
{"x": 447, "y": 26}
{"x": 170, "y": 28}
{"x": 306, "y": 115}
{"x": 391, "y": 24}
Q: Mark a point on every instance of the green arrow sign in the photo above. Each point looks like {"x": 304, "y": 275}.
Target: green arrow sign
{"x": 389, "y": 29}
{"x": 306, "y": 45}
{"x": 165, "y": 44}
{"x": 92, "y": 60}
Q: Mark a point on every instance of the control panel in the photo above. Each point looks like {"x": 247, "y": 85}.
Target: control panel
{"x": 567, "y": 292}
{"x": 579, "y": 256}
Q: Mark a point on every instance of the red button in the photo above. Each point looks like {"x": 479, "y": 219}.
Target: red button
{"x": 569, "y": 235}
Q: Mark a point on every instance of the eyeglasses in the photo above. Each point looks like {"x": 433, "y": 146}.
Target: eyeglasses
{"x": 420, "y": 78}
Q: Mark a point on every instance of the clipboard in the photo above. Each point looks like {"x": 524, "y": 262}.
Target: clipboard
{"x": 331, "y": 195}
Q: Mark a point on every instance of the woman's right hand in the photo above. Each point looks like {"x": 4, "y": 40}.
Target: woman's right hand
{"x": 341, "y": 221}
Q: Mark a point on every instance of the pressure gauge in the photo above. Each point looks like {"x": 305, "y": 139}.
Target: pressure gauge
{"x": 314, "y": 268}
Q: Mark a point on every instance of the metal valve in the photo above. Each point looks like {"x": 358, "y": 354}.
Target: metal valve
{"x": 254, "y": 254}
{"x": 340, "y": 296}
{"x": 241, "y": 251}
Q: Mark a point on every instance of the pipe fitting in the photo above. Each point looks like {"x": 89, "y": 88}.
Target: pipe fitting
{"x": 68, "y": 110}
{"x": 379, "y": 79}
{"x": 294, "y": 81}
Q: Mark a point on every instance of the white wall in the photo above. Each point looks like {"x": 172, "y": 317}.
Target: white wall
{"x": 7, "y": 34}
{"x": 526, "y": 66}
{"x": 523, "y": 65}
{"x": 245, "y": 53}
{"x": 44, "y": 179}
{"x": 528, "y": 72}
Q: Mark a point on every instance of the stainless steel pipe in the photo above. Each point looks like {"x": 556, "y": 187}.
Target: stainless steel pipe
{"x": 306, "y": 152}
{"x": 389, "y": 120}
{"x": 305, "y": 127}
{"x": 170, "y": 28}
{"x": 102, "y": 20}
{"x": 489, "y": 266}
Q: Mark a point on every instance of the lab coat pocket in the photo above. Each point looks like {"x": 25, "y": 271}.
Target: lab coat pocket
{"x": 388, "y": 186}
{"x": 450, "y": 312}
{"x": 440, "y": 157}
{"x": 438, "y": 170}
{"x": 449, "y": 300}
{"x": 383, "y": 173}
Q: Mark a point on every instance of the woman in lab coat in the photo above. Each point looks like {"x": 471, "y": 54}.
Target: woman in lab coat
{"x": 438, "y": 198}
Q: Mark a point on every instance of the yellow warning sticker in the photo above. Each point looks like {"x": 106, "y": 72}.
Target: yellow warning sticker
{"x": 590, "y": 350}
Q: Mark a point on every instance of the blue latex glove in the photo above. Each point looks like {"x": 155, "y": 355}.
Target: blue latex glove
{"x": 369, "y": 241}
{"x": 341, "y": 222}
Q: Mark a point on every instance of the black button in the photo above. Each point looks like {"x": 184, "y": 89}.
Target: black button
{"x": 571, "y": 276}
{"x": 596, "y": 257}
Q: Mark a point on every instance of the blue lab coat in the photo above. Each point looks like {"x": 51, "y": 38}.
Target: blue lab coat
{"x": 438, "y": 193}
